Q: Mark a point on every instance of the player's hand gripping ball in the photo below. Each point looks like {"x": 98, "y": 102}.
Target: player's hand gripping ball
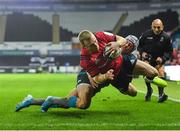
{"x": 113, "y": 54}
{"x": 126, "y": 48}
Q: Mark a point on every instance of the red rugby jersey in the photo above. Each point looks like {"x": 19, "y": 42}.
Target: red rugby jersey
{"x": 95, "y": 63}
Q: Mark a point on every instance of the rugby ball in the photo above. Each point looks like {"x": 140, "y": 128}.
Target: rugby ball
{"x": 114, "y": 54}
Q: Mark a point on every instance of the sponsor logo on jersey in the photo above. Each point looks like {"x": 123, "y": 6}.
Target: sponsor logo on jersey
{"x": 149, "y": 38}
{"x": 161, "y": 39}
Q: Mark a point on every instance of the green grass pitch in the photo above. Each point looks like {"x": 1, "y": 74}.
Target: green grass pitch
{"x": 109, "y": 109}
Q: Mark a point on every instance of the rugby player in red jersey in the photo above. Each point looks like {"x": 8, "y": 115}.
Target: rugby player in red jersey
{"x": 99, "y": 70}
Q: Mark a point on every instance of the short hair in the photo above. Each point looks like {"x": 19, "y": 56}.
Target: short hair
{"x": 84, "y": 35}
{"x": 158, "y": 21}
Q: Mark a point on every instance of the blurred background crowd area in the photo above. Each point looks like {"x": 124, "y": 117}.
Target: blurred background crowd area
{"x": 38, "y": 35}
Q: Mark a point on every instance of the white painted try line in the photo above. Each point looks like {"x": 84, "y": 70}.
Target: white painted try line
{"x": 169, "y": 98}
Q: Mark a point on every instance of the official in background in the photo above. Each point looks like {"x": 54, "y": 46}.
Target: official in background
{"x": 155, "y": 48}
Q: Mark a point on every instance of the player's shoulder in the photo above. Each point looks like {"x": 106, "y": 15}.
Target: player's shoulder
{"x": 165, "y": 35}
{"x": 103, "y": 34}
{"x": 99, "y": 33}
{"x": 144, "y": 35}
{"x": 147, "y": 33}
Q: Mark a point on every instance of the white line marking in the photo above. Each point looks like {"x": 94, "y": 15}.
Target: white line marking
{"x": 169, "y": 98}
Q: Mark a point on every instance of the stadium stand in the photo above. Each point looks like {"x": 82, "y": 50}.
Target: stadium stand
{"x": 39, "y": 24}
{"x": 31, "y": 28}
{"x": 101, "y": 20}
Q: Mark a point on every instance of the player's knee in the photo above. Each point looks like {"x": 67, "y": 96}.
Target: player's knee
{"x": 155, "y": 73}
{"x": 152, "y": 73}
{"x": 134, "y": 93}
{"x": 147, "y": 69}
{"x": 132, "y": 90}
{"x": 84, "y": 105}
{"x": 84, "y": 95}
